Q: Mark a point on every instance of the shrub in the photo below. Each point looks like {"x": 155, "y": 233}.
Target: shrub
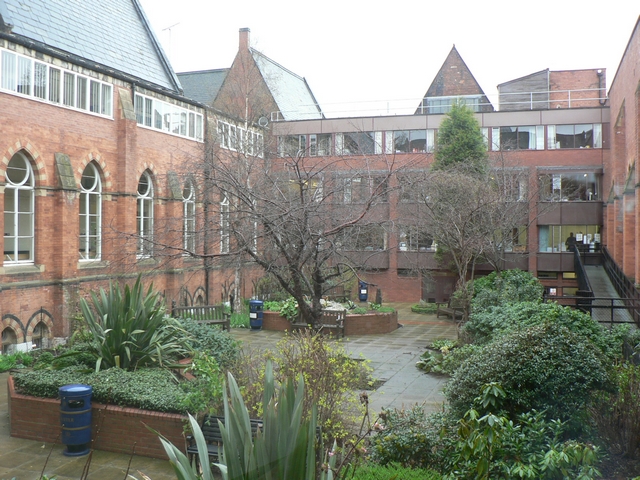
{"x": 424, "y": 308}
{"x": 488, "y": 324}
{"x": 408, "y": 437}
{"x": 508, "y": 286}
{"x": 544, "y": 367}
{"x": 494, "y": 446}
{"x": 15, "y": 360}
{"x": 330, "y": 378}
{"x": 151, "y": 389}
{"x": 130, "y": 328}
{"x": 213, "y": 341}
{"x": 617, "y": 414}
{"x": 203, "y": 394}
{"x": 372, "y": 471}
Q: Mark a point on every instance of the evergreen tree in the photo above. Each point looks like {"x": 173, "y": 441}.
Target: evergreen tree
{"x": 460, "y": 141}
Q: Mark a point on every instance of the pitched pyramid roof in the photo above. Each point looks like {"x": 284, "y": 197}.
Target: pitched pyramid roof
{"x": 454, "y": 79}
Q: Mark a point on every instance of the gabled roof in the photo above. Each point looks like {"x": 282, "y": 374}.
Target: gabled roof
{"x": 290, "y": 91}
{"x": 111, "y": 33}
{"x": 204, "y": 85}
{"x": 454, "y": 79}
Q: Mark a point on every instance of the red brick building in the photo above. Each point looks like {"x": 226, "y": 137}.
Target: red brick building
{"x": 94, "y": 136}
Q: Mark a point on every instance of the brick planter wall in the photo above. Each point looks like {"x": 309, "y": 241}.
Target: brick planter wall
{"x": 120, "y": 428}
{"x": 369, "y": 323}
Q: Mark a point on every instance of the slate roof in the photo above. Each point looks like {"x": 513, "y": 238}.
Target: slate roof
{"x": 203, "y": 86}
{"x": 113, "y": 33}
{"x": 290, "y": 91}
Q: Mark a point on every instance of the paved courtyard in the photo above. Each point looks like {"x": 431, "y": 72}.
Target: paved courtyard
{"x": 392, "y": 356}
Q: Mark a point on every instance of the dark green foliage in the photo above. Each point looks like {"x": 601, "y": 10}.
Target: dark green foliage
{"x": 460, "y": 141}
{"x": 492, "y": 322}
{"x": 617, "y": 413}
{"x": 508, "y": 286}
{"x": 544, "y": 367}
{"x": 213, "y": 341}
{"x": 151, "y": 389}
{"x": 372, "y": 471}
{"x": 408, "y": 437}
{"x": 425, "y": 308}
{"x": 494, "y": 446}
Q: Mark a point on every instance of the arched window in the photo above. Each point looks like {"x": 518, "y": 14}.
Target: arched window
{"x": 189, "y": 230}
{"x": 90, "y": 214}
{"x": 9, "y": 339}
{"x": 40, "y": 336}
{"x": 224, "y": 225}
{"x": 19, "y": 211}
{"x": 144, "y": 216}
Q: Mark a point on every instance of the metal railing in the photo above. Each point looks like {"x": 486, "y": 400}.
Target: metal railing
{"x": 625, "y": 287}
{"x": 611, "y": 311}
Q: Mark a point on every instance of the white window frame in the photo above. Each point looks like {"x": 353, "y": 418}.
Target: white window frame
{"x": 90, "y": 194}
{"x": 189, "y": 210}
{"x": 144, "y": 217}
{"x": 167, "y": 117}
{"x": 225, "y": 227}
{"x": 25, "y": 76}
{"x": 18, "y": 216}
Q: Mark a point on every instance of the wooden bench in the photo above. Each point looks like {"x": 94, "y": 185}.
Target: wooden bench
{"x": 453, "y": 308}
{"x": 213, "y": 437}
{"x": 337, "y": 294}
{"x": 209, "y": 314}
{"x": 332, "y": 322}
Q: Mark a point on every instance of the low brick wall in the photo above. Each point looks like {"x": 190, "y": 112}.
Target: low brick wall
{"x": 366, "y": 324}
{"x": 114, "y": 429}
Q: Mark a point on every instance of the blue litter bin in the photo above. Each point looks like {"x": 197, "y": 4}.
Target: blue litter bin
{"x": 363, "y": 291}
{"x": 256, "y": 314}
{"x": 75, "y": 418}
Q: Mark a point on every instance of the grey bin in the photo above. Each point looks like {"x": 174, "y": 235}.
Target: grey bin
{"x": 75, "y": 418}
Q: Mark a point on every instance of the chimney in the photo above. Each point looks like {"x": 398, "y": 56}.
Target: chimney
{"x": 244, "y": 38}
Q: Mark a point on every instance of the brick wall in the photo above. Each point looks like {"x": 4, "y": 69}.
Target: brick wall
{"x": 114, "y": 429}
{"x": 371, "y": 323}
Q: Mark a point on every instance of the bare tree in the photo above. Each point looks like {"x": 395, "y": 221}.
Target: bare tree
{"x": 308, "y": 222}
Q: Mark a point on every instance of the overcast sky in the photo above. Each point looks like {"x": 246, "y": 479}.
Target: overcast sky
{"x": 363, "y": 55}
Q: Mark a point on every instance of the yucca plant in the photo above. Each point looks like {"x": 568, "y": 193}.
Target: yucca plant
{"x": 284, "y": 448}
{"x": 130, "y": 328}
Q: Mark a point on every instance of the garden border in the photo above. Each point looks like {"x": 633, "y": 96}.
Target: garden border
{"x": 365, "y": 324}
{"x": 121, "y": 429}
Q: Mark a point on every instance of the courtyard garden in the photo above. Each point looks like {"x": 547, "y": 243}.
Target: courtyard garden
{"x": 535, "y": 390}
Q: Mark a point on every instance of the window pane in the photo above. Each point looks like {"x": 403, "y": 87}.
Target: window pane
{"x": 106, "y": 100}
{"x": 9, "y": 70}
{"x": 24, "y": 75}
{"x": 148, "y": 111}
{"x": 54, "y": 85}
{"x": 81, "y": 101}
{"x": 94, "y": 97}
{"x": 40, "y": 80}
{"x": 68, "y": 91}
{"x": 139, "y": 109}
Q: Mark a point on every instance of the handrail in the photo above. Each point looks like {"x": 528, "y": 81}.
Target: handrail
{"x": 584, "y": 286}
{"x": 624, "y": 286}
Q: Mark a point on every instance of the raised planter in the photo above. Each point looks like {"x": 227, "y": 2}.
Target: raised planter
{"x": 114, "y": 429}
{"x": 366, "y": 324}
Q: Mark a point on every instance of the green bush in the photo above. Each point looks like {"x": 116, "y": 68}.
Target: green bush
{"x": 203, "y": 394}
{"x": 213, "y": 341}
{"x": 372, "y": 471}
{"x": 130, "y": 328}
{"x": 15, "y": 360}
{"x": 544, "y": 367}
{"x": 488, "y": 324}
{"x": 424, "y": 308}
{"x": 151, "y": 389}
{"x": 495, "y": 446}
{"x": 408, "y": 437}
{"x": 508, "y": 286}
